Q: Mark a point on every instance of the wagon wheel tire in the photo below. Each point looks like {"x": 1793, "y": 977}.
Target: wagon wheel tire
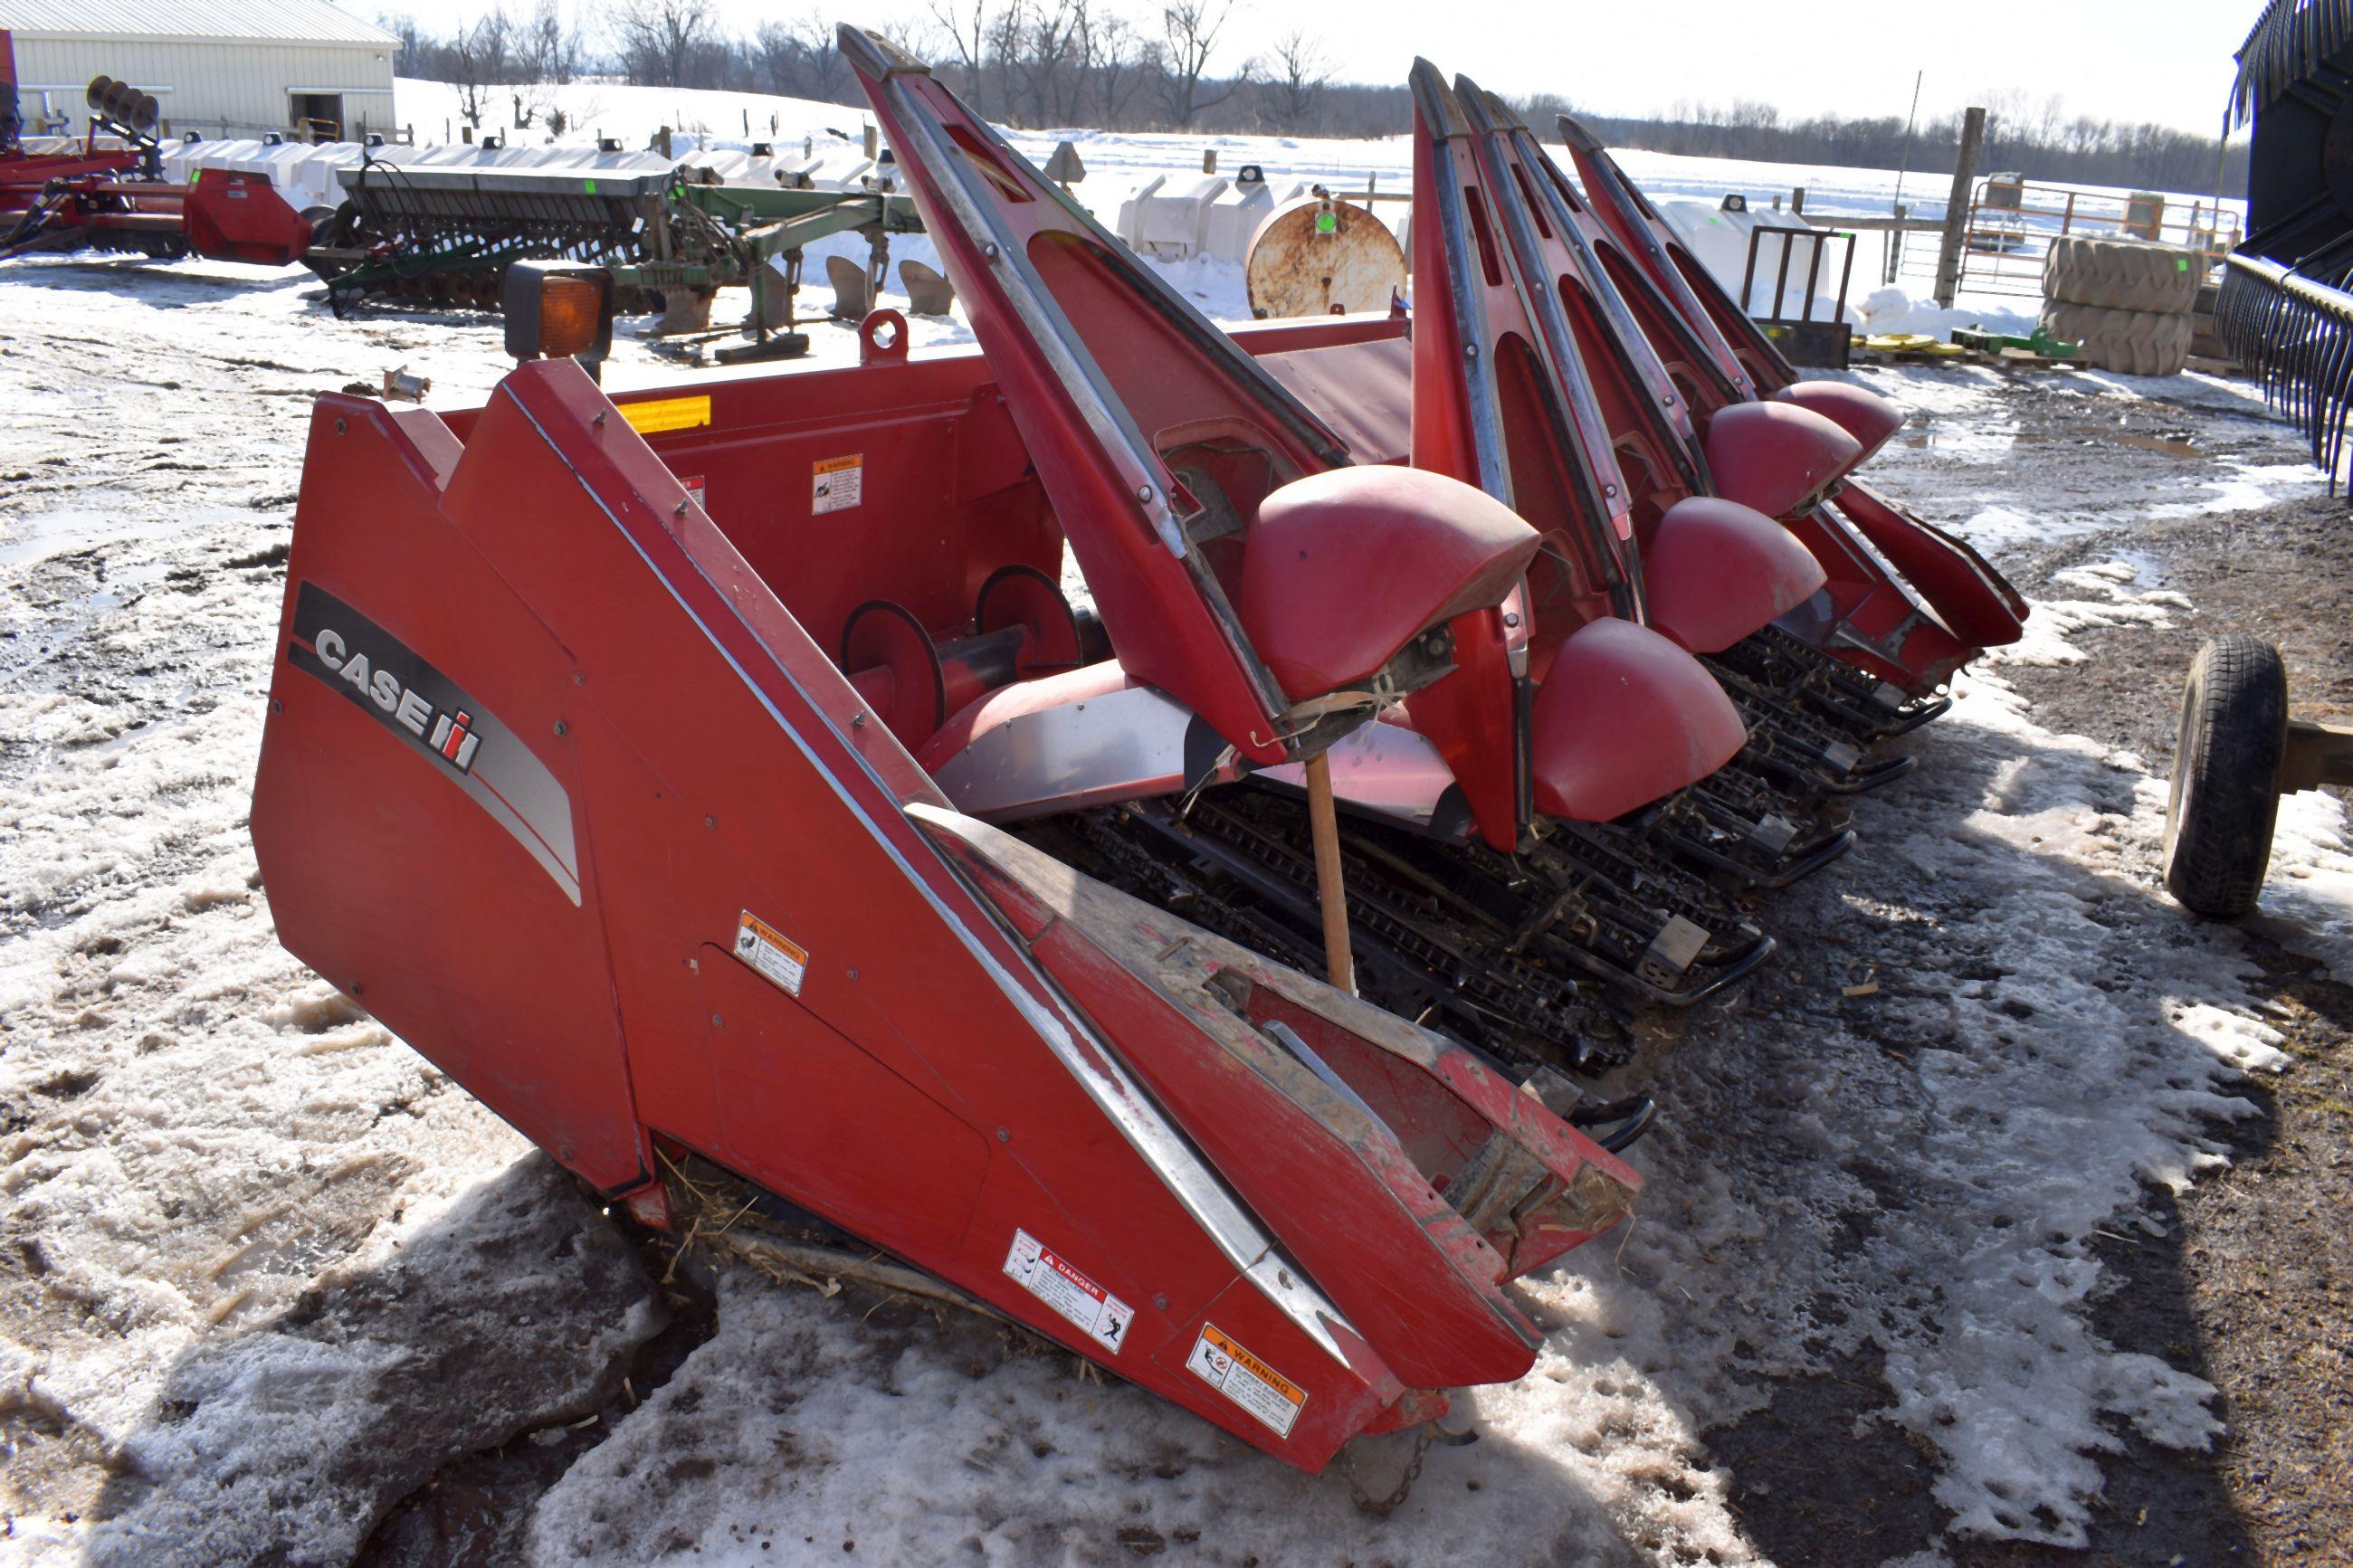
{"x": 2226, "y": 777}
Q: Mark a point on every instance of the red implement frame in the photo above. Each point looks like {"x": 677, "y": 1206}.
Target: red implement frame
{"x": 65, "y": 201}
{"x": 1544, "y": 308}
{"x": 1913, "y": 602}
{"x": 557, "y": 785}
{"x": 1098, "y": 388}
{"x": 1117, "y": 375}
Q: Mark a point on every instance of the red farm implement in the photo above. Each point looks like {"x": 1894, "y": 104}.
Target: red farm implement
{"x": 928, "y": 789}
{"x": 110, "y": 198}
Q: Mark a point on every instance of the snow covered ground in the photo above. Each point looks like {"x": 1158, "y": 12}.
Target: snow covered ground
{"x": 263, "y": 1270}
{"x": 1118, "y": 162}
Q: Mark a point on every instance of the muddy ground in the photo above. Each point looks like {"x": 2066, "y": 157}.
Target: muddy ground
{"x": 2251, "y": 1283}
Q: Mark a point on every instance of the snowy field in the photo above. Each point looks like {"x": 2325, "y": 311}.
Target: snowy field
{"x": 264, "y": 1273}
{"x": 1118, "y": 162}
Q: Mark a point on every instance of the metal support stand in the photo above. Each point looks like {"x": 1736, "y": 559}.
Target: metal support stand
{"x": 1324, "y": 825}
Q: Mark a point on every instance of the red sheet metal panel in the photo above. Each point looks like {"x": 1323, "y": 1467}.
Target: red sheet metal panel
{"x": 767, "y": 959}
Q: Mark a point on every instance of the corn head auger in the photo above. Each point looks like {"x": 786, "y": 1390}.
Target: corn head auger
{"x": 926, "y": 789}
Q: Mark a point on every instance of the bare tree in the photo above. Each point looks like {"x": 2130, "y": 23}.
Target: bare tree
{"x": 480, "y": 58}
{"x": 1188, "y": 40}
{"x": 550, "y": 50}
{"x": 413, "y": 41}
{"x": 659, "y": 37}
{"x": 966, "y": 24}
{"x": 798, "y": 59}
{"x": 1051, "y": 58}
{"x": 1109, "y": 62}
{"x": 997, "y": 78}
{"x": 1297, "y": 78}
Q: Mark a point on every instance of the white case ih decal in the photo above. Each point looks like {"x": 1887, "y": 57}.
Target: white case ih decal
{"x": 427, "y": 713}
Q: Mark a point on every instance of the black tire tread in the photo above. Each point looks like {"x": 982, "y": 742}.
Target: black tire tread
{"x": 2233, "y": 735}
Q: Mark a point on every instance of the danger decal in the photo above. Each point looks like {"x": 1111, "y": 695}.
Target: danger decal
{"x": 1092, "y": 1310}
{"x": 1218, "y": 1360}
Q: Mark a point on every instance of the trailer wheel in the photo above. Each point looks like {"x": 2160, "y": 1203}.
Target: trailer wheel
{"x": 2226, "y": 776}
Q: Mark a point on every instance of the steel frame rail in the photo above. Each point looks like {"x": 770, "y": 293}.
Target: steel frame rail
{"x": 2295, "y": 333}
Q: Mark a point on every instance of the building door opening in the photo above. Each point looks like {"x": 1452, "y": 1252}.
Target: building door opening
{"x": 319, "y": 113}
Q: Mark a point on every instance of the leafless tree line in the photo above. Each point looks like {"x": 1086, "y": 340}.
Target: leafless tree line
{"x": 2034, "y": 137}
{"x": 1180, "y": 65}
{"x": 1151, "y": 65}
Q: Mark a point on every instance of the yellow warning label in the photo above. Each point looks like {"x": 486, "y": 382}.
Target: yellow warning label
{"x": 667, "y": 414}
{"x": 1220, "y": 1360}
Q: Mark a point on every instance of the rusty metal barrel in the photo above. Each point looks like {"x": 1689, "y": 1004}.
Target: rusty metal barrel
{"x": 1320, "y": 256}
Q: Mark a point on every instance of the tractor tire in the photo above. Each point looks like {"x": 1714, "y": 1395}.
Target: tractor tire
{"x": 2226, "y": 777}
{"x": 2123, "y": 274}
{"x": 2132, "y": 342}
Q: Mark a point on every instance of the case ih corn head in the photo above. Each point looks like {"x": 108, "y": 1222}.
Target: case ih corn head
{"x": 927, "y": 789}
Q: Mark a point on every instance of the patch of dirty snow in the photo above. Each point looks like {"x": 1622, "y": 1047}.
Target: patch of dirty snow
{"x": 2000, "y": 529}
{"x": 2248, "y": 486}
{"x": 2109, "y": 599}
{"x": 1937, "y": 390}
{"x": 1896, "y": 308}
{"x": 2307, "y": 901}
{"x": 197, "y": 1135}
{"x": 290, "y": 1442}
{"x": 2244, "y": 1042}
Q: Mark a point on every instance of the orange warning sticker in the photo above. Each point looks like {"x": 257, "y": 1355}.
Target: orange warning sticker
{"x": 1219, "y": 1361}
{"x": 781, "y": 961}
{"x": 837, "y": 484}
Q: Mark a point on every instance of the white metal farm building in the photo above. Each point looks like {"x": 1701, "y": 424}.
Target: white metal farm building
{"x": 216, "y": 66}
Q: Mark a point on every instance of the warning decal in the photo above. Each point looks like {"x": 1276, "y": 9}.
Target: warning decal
{"x": 667, "y": 414}
{"x": 1094, "y": 1310}
{"x": 1249, "y": 1382}
{"x": 779, "y": 959}
{"x": 837, "y": 484}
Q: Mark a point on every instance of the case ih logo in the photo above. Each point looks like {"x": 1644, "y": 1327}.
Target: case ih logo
{"x": 384, "y": 675}
{"x": 449, "y": 737}
{"x": 429, "y": 713}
